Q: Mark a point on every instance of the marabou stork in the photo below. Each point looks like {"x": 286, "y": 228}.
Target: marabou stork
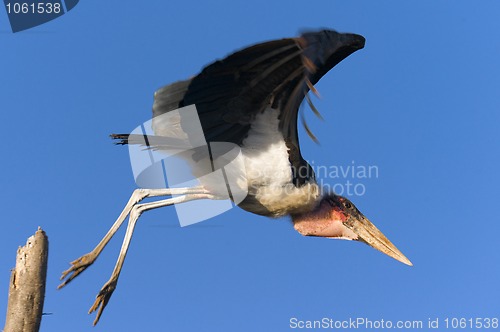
{"x": 251, "y": 98}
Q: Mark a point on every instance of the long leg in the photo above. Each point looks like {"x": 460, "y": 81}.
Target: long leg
{"x": 81, "y": 264}
{"x": 107, "y": 290}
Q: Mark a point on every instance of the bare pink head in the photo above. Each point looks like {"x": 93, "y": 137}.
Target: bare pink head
{"x": 336, "y": 217}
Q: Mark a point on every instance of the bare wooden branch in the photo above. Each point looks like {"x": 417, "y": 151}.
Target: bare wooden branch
{"x": 27, "y": 285}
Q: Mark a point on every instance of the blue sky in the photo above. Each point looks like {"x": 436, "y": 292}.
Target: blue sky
{"x": 420, "y": 102}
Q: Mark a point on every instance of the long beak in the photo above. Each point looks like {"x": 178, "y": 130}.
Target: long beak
{"x": 368, "y": 233}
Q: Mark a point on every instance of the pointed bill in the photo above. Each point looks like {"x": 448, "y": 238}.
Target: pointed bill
{"x": 368, "y": 233}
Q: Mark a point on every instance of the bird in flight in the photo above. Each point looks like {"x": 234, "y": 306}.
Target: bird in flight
{"x": 251, "y": 99}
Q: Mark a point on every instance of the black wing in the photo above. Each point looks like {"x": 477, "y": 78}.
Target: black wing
{"x": 230, "y": 92}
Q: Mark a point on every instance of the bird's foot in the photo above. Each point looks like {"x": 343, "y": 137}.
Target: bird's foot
{"x": 77, "y": 266}
{"x": 101, "y": 300}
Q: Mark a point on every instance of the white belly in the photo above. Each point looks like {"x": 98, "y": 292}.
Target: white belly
{"x": 268, "y": 169}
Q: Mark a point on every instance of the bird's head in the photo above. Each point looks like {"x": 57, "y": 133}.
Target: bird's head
{"x": 336, "y": 217}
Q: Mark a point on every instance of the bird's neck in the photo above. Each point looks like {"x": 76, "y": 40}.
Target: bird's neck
{"x": 323, "y": 221}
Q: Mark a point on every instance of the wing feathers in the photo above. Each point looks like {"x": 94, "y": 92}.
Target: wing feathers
{"x": 230, "y": 92}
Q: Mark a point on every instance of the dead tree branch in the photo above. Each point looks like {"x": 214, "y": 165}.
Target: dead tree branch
{"x": 27, "y": 285}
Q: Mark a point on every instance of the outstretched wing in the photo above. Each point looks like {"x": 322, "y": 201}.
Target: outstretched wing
{"x": 230, "y": 92}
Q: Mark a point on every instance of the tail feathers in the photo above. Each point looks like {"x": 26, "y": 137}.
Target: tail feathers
{"x": 122, "y": 139}
{"x": 172, "y": 146}
{"x": 153, "y": 142}
{"x": 146, "y": 140}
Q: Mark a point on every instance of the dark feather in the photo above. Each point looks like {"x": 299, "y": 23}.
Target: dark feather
{"x": 229, "y": 93}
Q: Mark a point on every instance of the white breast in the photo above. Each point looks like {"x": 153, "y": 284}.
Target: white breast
{"x": 268, "y": 168}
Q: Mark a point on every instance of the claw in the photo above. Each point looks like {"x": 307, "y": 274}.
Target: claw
{"x": 77, "y": 266}
{"x": 102, "y": 298}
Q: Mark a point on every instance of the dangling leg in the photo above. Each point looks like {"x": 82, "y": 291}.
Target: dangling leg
{"x": 79, "y": 265}
{"x": 107, "y": 290}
